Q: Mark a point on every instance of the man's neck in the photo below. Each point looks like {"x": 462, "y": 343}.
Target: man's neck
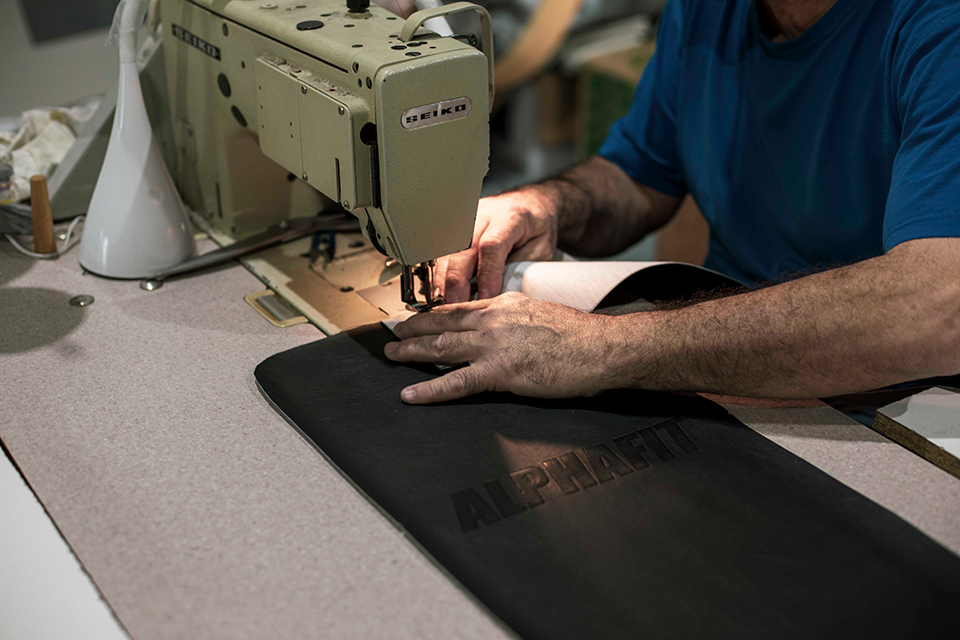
{"x": 783, "y": 20}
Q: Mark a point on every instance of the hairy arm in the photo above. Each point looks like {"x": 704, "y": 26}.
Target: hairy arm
{"x": 882, "y": 321}
{"x": 601, "y": 210}
{"x": 593, "y": 209}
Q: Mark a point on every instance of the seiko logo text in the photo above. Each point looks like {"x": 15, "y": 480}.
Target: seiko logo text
{"x": 436, "y": 113}
{"x": 194, "y": 41}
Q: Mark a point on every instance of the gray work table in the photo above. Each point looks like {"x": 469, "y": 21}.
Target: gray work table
{"x": 198, "y": 512}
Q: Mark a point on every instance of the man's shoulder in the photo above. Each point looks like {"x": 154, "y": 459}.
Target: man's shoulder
{"x": 919, "y": 27}
{"x": 923, "y": 19}
{"x": 911, "y": 12}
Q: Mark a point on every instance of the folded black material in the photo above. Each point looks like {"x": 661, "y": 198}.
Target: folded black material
{"x": 628, "y": 515}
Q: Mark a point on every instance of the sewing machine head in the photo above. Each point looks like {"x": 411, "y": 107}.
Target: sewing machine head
{"x": 279, "y": 107}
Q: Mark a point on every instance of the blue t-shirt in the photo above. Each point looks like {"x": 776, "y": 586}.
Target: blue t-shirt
{"x": 823, "y": 150}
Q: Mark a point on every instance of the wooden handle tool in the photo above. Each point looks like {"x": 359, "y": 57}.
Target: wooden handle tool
{"x": 43, "y": 240}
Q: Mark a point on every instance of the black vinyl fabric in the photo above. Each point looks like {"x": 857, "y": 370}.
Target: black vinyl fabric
{"x": 628, "y": 515}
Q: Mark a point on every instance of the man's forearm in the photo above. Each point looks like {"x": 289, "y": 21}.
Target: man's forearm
{"x": 600, "y": 209}
{"x": 879, "y": 322}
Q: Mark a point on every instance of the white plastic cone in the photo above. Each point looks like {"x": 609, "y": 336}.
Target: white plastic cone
{"x": 136, "y": 225}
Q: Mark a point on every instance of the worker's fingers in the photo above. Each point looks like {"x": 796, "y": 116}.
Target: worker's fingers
{"x": 456, "y": 384}
{"x": 459, "y": 270}
{"x": 472, "y": 305}
{"x": 458, "y": 317}
{"x": 533, "y": 250}
{"x": 493, "y": 248}
{"x": 447, "y": 348}
{"x": 440, "y": 275}
{"x": 460, "y": 266}
{"x": 483, "y": 221}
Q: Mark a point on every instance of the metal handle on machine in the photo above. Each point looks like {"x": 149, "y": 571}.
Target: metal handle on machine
{"x": 416, "y": 20}
{"x": 277, "y": 234}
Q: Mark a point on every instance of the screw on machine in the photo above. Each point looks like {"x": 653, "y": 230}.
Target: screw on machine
{"x": 358, "y": 6}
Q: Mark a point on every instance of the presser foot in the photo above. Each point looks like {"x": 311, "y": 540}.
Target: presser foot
{"x": 420, "y": 277}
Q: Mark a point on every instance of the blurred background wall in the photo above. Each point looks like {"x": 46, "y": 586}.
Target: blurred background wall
{"x": 53, "y": 52}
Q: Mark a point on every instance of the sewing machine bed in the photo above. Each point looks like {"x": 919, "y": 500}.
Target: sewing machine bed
{"x": 631, "y": 514}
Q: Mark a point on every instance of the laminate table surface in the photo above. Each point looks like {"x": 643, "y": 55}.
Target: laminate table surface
{"x": 199, "y": 512}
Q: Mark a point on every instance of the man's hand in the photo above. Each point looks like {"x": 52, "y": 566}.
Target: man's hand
{"x": 883, "y": 321}
{"x": 593, "y": 209}
{"x": 514, "y": 226}
{"x": 511, "y": 343}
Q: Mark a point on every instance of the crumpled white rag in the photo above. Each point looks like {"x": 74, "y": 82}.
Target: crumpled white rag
{"x": 39, "y": 146}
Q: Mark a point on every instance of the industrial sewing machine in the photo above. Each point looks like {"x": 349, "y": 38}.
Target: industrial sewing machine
{"x": 281, "y": 108}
